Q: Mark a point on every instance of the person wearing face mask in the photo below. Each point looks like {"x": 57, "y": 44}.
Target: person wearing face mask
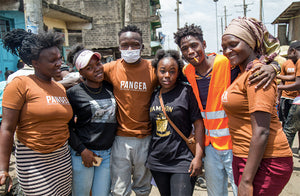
{"x": 133, "y": 79}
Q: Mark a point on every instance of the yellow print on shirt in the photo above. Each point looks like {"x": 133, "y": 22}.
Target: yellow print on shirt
{"x": 158, "y": 108}
{"x": 161, "y": 126}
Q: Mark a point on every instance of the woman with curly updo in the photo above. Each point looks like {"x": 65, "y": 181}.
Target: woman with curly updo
{"x": 172, "y": 164}
{"x": 38, "y": 108}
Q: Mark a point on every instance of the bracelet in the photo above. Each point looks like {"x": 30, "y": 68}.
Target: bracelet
{"x": 276, "y": 69}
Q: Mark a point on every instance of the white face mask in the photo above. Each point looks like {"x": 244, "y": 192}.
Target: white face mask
{"x": 131, "y": 56}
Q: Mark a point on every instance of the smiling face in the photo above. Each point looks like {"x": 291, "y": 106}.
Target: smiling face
{"x": 48, "y": 64}
{"x": 237, "y": 51}
{"x": 167, "y": 73}
{"x": 191, "y": 48}
{"x": 93, "y": 72}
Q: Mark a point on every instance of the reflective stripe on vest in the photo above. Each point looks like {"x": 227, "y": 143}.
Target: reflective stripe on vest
{"x": 217, "y": 132}
{"x": 214, "y": 117}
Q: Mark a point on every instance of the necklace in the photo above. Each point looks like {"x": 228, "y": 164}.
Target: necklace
{"x": 93, "y": 92}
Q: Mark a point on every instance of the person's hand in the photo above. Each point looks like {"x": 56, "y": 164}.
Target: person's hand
{"x": 6, "y": 180}
{"x": 88, "y": 157}
{"x": 195, "y": 167}
{"x": 264, "y": 75}
{"x": 245, "y": 189}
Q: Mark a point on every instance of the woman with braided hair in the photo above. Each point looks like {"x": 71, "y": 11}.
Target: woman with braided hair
{"x": 38, "y": 107}
{"x": 262, "y": 160}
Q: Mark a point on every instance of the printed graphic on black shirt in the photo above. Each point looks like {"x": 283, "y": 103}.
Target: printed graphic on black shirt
{"x": 161, "y": 126}
{"x": 103, "y": 111}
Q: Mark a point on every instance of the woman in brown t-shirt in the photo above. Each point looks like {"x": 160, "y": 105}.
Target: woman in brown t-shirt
{"x": 262, "y": 160}
{"x": 38, "y": 107}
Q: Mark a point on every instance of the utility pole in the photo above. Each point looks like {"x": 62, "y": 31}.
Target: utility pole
{"x": 261, "y": 10}
{"x": 245, "y": 8}
{"x": 217, "y": 25}
{"x": 33, "y": 16}
{"x": 221, "y": 25}
{"x": 177, "y": 11}
{"x": 178, "y": 23}
{"x": 225, "y": 16}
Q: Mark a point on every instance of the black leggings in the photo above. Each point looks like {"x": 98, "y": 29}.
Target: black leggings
{"x": 171, "y": 184}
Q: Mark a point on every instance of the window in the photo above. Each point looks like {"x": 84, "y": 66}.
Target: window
{"x": 4, "y": 27}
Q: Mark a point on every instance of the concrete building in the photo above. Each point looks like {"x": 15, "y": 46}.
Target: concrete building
{"x": 289, "y": 24}
{"x": 109, "y": 16}
{"x": 55, "y": 17}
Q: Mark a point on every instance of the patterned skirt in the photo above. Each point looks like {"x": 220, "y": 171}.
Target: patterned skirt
{"x": 44, "y": 174}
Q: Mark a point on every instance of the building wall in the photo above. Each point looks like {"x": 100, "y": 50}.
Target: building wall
{"x": 294, "y": 28}
{"x": 9, "y": 61}
{"x": 52, "y": 23}
{"x": 108, "y": 20}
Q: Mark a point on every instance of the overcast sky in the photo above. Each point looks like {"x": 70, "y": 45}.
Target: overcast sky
{"x": 202, "y": 12}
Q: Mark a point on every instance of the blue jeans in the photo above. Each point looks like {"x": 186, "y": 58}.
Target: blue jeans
{"x": 218, "y": 169}
{"x": 95, "y": 179}
{"x": 292, "y": 124}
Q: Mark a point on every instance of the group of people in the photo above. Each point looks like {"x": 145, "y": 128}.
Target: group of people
{"x": 113, "y": 132}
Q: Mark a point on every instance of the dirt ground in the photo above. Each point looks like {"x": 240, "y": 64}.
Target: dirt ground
{"x": 291, "y": 189}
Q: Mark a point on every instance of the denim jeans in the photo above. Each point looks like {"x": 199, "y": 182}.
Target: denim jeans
{"x": 95, "y": 179}
{"x": 218, "y": 169}
{"x": 128, "y": 157}
{"x": 292, "y": 124}
{"x": 284, "y": 108}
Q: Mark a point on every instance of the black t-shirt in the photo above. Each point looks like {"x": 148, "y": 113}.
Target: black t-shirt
{"x": 168, "y": 152}
{"x": 96, "y": 122}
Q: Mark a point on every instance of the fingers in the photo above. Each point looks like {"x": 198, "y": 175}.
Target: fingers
{"x": 10, "y": 184}
{"x": 255, "y": 77}
{"x": 254, "y": 69}
{"x": 261, "y": 83}
{"x": 267, "y": 84}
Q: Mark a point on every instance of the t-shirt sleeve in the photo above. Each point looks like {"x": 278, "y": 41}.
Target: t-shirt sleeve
{"x": 14, "y": 95}
{"x": 283, "y": 68}
{"x": 193, "y": 106}
{"x": 261, "y": 99}
{"x": 297, "y": 68}
{"x": 107, "y": 71}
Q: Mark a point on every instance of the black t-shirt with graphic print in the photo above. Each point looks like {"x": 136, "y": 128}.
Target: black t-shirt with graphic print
{"x": 168, "y": 152}
{"x": 96, "y": 123}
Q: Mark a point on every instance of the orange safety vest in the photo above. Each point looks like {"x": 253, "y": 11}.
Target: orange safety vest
{"x": 214, "y": 116}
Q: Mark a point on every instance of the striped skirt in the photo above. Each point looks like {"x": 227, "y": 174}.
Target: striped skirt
{"x": 44, "y": 174}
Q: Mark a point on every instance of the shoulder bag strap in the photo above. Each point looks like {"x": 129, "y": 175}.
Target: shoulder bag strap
{"x": 171, "y": 122}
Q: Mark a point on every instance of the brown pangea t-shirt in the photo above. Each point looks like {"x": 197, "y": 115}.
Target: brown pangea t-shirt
{"x": 133, "y": 85}
{"x": 242, "y": 99}
{"x": 288, "y": 68}
{"x": 44, "y": 112}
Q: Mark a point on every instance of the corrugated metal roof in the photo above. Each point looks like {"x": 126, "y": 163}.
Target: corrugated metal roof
{"x": 291, "y": 12}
